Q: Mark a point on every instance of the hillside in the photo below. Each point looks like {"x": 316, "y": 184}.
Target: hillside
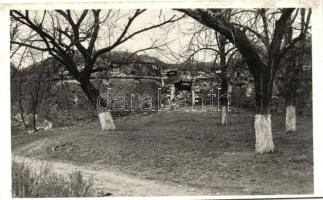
{"x": 48, "y": 89}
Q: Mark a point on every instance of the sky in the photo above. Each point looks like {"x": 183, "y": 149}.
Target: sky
{"x": 176, "y": 35}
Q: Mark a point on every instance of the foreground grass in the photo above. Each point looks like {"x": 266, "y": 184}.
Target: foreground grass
{"x": 187, "y": 149}
{"x": 45, "y": 183}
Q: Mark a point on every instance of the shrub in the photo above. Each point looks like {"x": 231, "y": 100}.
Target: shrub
{"x": 45, "y": 183}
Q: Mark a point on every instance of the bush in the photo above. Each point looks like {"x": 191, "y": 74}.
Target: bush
{"x": 28, "y": 183}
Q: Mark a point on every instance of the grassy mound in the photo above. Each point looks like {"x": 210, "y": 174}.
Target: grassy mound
{"x": 187, "y": 148}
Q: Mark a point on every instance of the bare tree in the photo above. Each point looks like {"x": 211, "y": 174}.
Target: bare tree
{"x": 294, "y": 62}
{"x": 16, "y": 91}
{"x": 64, "y": 33}
{"x": 17, "y": 79}
{"x": 39, "y": 86}
{"x": 206, "y": 39}
{"x": 260, "y": 44}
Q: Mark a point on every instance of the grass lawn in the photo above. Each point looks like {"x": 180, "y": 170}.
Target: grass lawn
{"x": 187, "y": 148}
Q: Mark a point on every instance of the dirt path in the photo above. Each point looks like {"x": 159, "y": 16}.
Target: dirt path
{"x": 111, "y": 182}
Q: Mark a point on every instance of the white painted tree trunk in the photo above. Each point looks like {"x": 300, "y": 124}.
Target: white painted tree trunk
{"x": 162, "y": 82}
{"x": 264, "y": 139}
{"x": 193, "y": 97}
{"x": 224, "y": 115}
{"x": 172, "y": 93}
{"x": 290, "y": 121}
{"x": 106, "y": 121}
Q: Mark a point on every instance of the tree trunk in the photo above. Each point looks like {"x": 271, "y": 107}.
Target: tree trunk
{"x": 105, "y": 117}
{"x": 224, "y": 81}
{"x": 263, "y": 94}
{"x": 162, "y": 82}
{"x": 172, "y": 93}
{"x": 264, "y": 139}
{"x": 290, "y": 123}
{"x": 224, "y": 115}
{"x": 290, "y": 99}
{"x": 292, "y": 74}
{"x": 193, "y": 94}
{"x": 106, "y": 121}
{"x": 291, "y": 86}
{"x": 22, "y": 112}
{"x": 34, "y": 120}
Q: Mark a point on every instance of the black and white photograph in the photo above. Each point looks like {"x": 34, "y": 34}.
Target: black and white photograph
{"x": 111, "y": 101}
